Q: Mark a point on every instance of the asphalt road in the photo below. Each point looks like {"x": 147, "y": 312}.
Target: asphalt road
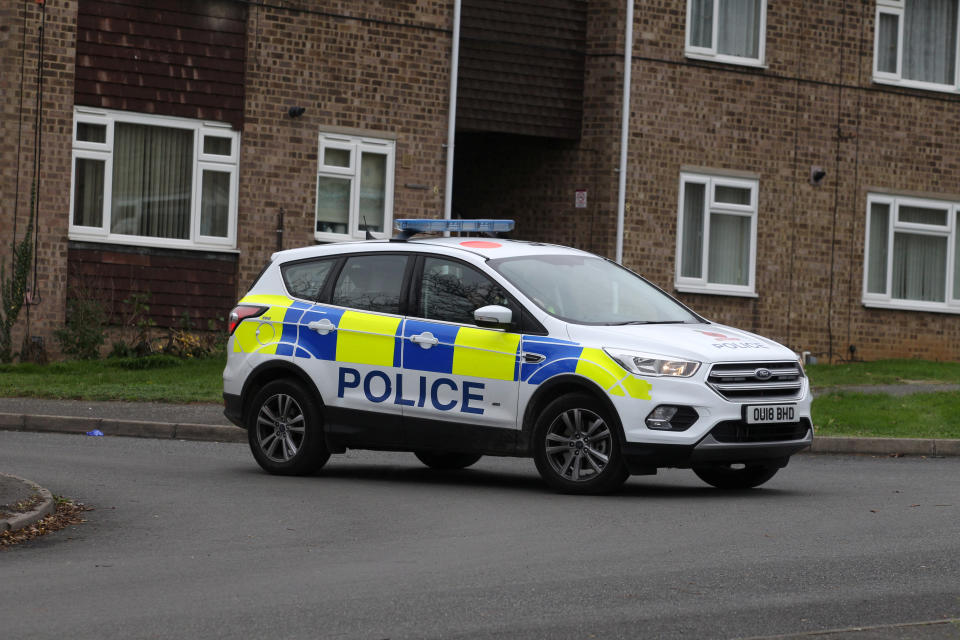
{"x": 190, "y": 539}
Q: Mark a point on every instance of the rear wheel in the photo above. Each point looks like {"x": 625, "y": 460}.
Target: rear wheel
{"x": 285, "y": 429}
{"x": 576, "y": 446}
{"x": 442, "y": 460}
{"x": 734, "y": 476}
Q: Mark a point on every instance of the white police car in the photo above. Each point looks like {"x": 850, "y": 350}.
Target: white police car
{"x": 454, "y": 348}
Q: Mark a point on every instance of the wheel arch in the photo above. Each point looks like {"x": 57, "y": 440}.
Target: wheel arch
{"x": 557, "y": 387}
{"x": 267, "y": 372}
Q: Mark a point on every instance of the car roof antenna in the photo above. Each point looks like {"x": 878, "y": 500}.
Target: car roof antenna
{"x": 368, "y": 236}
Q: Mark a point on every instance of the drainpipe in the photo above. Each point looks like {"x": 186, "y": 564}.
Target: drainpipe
{"x": 452, "y": 118}
{"x": 624, "y": 128}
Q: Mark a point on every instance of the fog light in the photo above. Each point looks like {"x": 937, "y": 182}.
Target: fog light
{"x": 660, "y": 417}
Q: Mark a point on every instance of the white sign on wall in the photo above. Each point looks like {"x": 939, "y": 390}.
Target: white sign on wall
{"x": 580, "y": 198}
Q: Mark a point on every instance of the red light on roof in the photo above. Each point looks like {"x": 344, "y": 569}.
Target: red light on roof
{"x": 481, "y": 244}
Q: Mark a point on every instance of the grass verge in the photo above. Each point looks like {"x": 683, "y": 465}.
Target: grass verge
{"x": 883, "y": 372}
{"x": 154, "y": 378}
{"x": 921, "y": 415}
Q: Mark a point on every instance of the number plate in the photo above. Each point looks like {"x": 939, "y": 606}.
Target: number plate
{"x": 770, "y": 413}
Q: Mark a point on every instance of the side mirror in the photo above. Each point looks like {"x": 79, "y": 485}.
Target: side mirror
{"x": 493, "y": 317}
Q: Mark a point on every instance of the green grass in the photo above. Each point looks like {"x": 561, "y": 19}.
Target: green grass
{"x": 883, "y": 372}
{"x": 168, "y": 379}
{"x": 155, "y": 378}
{"x": 921, "y": 415}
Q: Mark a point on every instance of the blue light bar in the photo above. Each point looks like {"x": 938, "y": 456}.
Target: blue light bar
{"x": 426, "y": 225}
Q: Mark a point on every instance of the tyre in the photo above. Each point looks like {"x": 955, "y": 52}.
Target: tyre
{"x": 730, "y": 476}
{"x": 576, "y": 446}
{"x": 285, "y": 429}
{"x": 439, "y": 460}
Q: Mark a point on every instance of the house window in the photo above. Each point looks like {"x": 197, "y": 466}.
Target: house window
{"x": 912, "y": 254}
{"x": 916, "y": 43}
{"x": 153, "y": 180}
{"x": 716, "y": 235}
{"x": 727, "y": 30}
{"x": 354, "y": 187}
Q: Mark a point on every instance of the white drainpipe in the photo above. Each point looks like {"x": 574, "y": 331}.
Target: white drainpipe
{"x": 452, "y": 118}
{"x": 624, "y": 128}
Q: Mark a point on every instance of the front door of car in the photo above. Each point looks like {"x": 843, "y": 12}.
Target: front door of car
{"x": 460, "y": 385}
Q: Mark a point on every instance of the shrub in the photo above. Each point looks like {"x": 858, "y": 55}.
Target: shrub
{"x": 83, "y": 333}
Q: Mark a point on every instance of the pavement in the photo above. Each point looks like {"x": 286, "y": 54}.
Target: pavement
{"x": 22, "y": 502}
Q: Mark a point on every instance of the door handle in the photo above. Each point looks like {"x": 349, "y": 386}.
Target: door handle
{"x": 323, "y": 327}
{"x": 425, "y": 339}
{"x": 534, "y": 358}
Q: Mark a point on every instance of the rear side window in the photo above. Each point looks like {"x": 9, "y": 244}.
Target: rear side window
{"x": 371, "y": 283}
{"x": 306, "y": 279}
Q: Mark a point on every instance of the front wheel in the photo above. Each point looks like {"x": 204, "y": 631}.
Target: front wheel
{"x": 285, "y": 429}
{"x": 448, "y": 461}
{"x": 576, "y": 446}
{"x": 731, "y": 476}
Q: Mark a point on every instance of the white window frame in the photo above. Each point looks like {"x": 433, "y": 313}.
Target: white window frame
{"x": 897, "y": 8}
{"x": 949, "y": 231}
{"x": 711, "y": 53}
{"x": 201, "y": 161}
{"x": 356, "y": 145}
{"x": 701, "y": 284}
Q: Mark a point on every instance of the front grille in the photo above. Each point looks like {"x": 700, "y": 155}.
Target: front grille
{"x": 738, "y": 381}
{"x": 740, "y": 431}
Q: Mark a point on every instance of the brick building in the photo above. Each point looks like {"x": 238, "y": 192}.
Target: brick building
{"x": 792, "y": 168}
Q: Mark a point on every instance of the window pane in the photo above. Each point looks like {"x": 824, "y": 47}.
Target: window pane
{"x": 152, "y": 181}
{"x": 729, "y": 256}
{"x": 691, "y": 256}
{"x": 919, "y": 267}
{"x": 929, "y": 40}
{"x": 701, "y": 23}
{"x": 215, "y": 204}
{"x": 732, "y": 195}
{"x": 87, "y": 132}
{"x": 306, "y": 279}
{"x": 738, "y": 28}
{"x": 887, "y": 43}
{"x": 333, "y": 204}
{"x": 336, "y": 157}
{"x": 217, "y": 146}
{"x": 452, "y": 291}
{"x": 878, "y": 248}
{"x": 373, "y": 182}
{"x": 371, "y": 282}
{"x": 88, "y": 193}
{"x": 922, "y": 215}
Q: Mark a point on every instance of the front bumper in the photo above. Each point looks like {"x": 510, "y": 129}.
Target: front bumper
{"x": 717, "y": 447}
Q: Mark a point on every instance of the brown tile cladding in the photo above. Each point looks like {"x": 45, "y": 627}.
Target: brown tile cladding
{"x": 168, "y": 57}
{"x": 521, "y": 67}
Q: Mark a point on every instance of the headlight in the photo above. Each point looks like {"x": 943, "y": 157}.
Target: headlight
{"x": 645, "y": 364}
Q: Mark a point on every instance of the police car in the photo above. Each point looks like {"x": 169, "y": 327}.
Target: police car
{"x": 453, "y": 348}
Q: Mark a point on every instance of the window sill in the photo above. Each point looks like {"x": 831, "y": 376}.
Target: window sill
{"x": 722, "y": 59}
{"x": 914, "y": 84}
{"x": 739, "y": 293}
{"x": 156, "y": 243}
{"x": 935, "y": 307}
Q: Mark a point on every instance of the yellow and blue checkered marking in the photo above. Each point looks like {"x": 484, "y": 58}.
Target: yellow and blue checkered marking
{"x": 386, "y": 341}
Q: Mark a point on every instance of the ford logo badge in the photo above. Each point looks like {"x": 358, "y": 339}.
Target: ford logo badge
{"x": 763, "y": 374}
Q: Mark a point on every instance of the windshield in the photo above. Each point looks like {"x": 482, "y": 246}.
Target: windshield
{"x": 590, "y": 290}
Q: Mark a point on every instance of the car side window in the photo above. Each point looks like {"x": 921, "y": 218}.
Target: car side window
{"x": 306, "y": 279}
{"x": 371, "y": 283}
{"x": 451, "y": 291}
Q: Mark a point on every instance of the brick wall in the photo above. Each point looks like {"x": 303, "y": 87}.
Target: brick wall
{"x": 21, "y": 39}
{"x": 378, "y": 68}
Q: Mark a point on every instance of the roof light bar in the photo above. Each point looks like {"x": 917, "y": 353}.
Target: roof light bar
{"x": 426, "y": 225}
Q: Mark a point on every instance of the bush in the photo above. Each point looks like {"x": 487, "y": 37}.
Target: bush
{"x": 84, "y": 333}
{"x": 146, "y": 362}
